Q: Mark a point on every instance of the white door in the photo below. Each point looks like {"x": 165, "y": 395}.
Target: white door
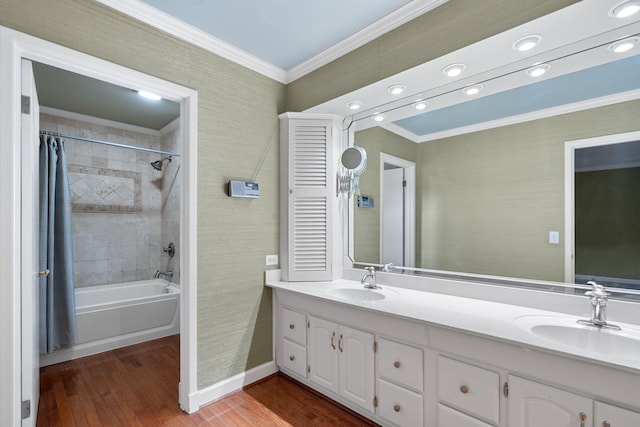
{"x": 30, "y": 353}
{"x": 537, "y": 405}
{"x": 323, "y": 356}
{"x": 393, "y": 217}
{"x": 356, "y": 366}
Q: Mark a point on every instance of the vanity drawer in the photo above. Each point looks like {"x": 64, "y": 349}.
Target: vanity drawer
{"x": 294, "y": 326}
{"x": 472, "y": 389}
{"x": 448, "y": 417}
{"x": 399, "y": 405}
{"x": 294, "y": 357}
{"x": 401, "y": 364}
{"x": 612, "y": 416}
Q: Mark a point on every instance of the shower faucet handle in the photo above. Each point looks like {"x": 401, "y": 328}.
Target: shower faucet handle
{"x": 170, "y": 249}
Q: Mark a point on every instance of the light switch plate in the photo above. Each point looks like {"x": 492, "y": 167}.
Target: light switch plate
{"x": 554, "y": 237}
{"x": 271, "y": 260}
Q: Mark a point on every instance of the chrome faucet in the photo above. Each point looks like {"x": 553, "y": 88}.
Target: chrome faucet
{"x": 369, "y": 279}
{"x": 163, "y": 273}
{"x": 598, "y": 296}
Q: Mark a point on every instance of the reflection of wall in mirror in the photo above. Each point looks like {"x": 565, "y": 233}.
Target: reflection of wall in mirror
{"x": 367, "y": 221}
{"x": 487, "y": 200}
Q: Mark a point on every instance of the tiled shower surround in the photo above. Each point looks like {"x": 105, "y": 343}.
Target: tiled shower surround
{"x": 118, "y": 201}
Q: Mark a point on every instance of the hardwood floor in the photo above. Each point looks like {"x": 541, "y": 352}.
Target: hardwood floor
{"x": 138, "y": 386}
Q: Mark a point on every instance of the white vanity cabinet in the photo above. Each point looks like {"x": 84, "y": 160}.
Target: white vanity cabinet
{"x": 294, "y": 341}
{"x": 606, "y": 415}
{"x": 399, "y": 382}
{"x": 469, "y": 389}
{"x": 341, "y": 359}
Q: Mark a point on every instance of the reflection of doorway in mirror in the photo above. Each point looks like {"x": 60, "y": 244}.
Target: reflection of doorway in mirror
{"x": 605, "y": 205}
{"x": 397, "y": 211}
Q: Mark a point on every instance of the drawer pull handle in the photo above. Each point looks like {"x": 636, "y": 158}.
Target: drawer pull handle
{"x": 583, "y": 419}
{"x": 333, "y": 346}
{"x": 606, "y": 424}
{"x": 396, "y": 364}
{"x": 464, "y": 389}
{"x": 292, "y": 358}
{"x": 396, "y": 408}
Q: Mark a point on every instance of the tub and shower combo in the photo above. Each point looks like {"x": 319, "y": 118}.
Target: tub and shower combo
{"x": 117, "y": 315}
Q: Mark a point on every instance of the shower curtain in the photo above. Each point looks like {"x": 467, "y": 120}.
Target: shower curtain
{"x": 57, "y": 298}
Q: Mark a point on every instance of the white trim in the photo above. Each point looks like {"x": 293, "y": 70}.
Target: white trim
{"x": 97, "y": 121}
{"x": 569, "y": 218}
{"x": 13, "y": 47}
{"x": 388, "y": 23}
{"x": 410, "y": 204}
{"x": 235, "y": 383}
{"x": 169, "y": 24}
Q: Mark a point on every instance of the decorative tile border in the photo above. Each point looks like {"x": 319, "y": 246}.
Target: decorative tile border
{"x": 96, "y": 189}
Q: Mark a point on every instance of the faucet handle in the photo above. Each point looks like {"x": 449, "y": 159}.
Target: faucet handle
{"x": 597, "y": 291}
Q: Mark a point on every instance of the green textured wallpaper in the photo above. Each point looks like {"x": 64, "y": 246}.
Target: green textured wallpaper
{"x": 455, "y": 24}
{"x": 237, "y": 113}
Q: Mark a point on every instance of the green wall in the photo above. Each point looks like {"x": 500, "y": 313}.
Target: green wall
{"x": 237, "y": 112}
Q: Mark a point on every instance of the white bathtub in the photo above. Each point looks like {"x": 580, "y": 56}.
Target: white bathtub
{"x": 117, "y": 315}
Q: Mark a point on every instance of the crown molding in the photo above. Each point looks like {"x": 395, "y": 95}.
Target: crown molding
{"x": 141, "y": 11}
{"x": 382, "y": 26}
{"x": 167, "y": 23}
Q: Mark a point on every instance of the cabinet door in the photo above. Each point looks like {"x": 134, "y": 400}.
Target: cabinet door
{"x": 355, "y": 350}
{"x": 322, "y": 353}
{"x": 537, "y": 405}
{"x": 612, "y": 416}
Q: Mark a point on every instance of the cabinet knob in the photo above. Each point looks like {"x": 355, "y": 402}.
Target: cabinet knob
{"x": 464, "y": 389}
{"x": 583, "y": 419}
{"x": 396, "y": 364}
{"x": 292, "y": 358}
{"x": 396, "y": 408}
{"x": 606, "y": 424}
{"x": 291, "y": 326}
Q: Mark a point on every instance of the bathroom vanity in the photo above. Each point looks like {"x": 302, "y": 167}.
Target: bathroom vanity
{"x": 408, "y": 357}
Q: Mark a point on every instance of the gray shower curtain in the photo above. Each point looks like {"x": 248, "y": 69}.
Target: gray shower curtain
{"x": 57, "y": 299}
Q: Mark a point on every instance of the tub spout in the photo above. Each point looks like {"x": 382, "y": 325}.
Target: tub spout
{"x": 163, "y": 273}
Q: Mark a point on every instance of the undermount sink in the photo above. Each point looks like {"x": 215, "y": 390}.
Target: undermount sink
{"x": 359, "y": 294}
{"x": 566, "y": 331}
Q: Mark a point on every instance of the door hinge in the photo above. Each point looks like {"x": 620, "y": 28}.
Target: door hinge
{"x": 308, "y": 323}
{"x": 375, "y": 346}
{"x": 25, "y": 104}
{"x": 308, "y": 369}
{"x": 26, "y": 409}
{"x": 505, "y": 389}
{"x": 404, "y": 182}
{"x": 375, "y": 401}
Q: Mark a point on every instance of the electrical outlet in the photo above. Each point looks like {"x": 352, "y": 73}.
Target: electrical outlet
{"x": 271, "y": 260}
{"x": 554, "y": 237}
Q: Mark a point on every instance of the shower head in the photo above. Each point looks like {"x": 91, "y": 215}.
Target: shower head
{"x": 157, "y": 165}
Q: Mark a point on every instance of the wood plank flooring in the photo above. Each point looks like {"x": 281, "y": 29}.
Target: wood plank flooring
{"x": 138, "y": 386}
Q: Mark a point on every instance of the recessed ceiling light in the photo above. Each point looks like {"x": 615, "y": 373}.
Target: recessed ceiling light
{"x": 623, "y": 45}
{"x": 420, "y": 105}
{"x": 396, "y": 89}
{"x": 379, "y": 117}
{"x": 538, "y": 70}
{"x": 472, "y": 90}
{"x": 149, "y": 95}
{"x": 354, "y": 105}
{"x": 527, "y": 42}
{"x": 453, "y": 70}
{"x": 625, "y": 9}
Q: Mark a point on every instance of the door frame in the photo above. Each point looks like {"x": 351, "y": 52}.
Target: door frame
{"x": 409, "y": 204}
{"x": 569, "y": 190}
{"x": 14, "y": 46}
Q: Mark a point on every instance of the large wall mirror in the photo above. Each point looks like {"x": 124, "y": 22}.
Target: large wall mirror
{"x": 483, "y": 175}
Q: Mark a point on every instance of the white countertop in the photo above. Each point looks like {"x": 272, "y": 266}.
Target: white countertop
{"x": 486, "y": 318}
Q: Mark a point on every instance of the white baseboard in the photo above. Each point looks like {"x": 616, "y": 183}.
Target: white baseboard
{"x": 221, "y": 389}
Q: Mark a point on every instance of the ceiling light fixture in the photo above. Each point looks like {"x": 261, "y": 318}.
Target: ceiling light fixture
{"x": 624, "y": 45}
{"x": 526, "y": 43}
{"x": 379, "y": 117}
{"x": 149, "y": 95}
{"x": 538, "y": 70}
{"x": 354, "y": 105}
{"x": 625, "y": 9}
{"x": 396, "y": 89}
{"x": 472, "y": 90}
{"x": 420, "y": 105}
{"x": 453, "y": 70}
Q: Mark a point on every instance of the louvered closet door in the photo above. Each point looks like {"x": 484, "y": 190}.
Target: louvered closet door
{"x": 309, "y": 200}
